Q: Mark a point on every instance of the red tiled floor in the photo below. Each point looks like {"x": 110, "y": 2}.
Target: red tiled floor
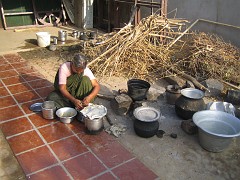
{"x": 111, "y": 153}
{"x": 68, "y": 148}
{"x": 13, "y": 80}
{"x": 77, "y": 159}
{"x": 5, "y": 67}
{"x": 84, "y": 166}
{"x": 38, "y": 120}
{"x": 26, "y": 70}
{"x": 55, "y": 132}
{"x": 106, "y": 176}
{"x": 55, "y": 172}
{"x": 19, "y": 65}
{"x": 32, "y": 76}
{"x": 7, "y": 113}
{"x": 36, "y": 159}
{"x": 96, "y": 141}
{"x": 13, "y": 58}
{"x": 3, "y": 92}
{"x": 6, "y": 101}
{"x": 43, "y": 92}
{"x": 2, "y": 60}
{"x": 8, "y": 73}
{"x": 15, "y": 126}
{"x": 27, "y": 105}
{"x": 19, "y": 88}
{"x": 40, "y": 83}
{"x": 26, "y": 96}
{"x": 24, "y": 142}
{"x": 77, "y": 127}
{"x": 134, "y": 170}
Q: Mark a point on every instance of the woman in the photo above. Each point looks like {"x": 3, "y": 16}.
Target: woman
{"x": 75, "y": 85}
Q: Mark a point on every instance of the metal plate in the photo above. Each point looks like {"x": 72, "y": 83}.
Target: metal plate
{"x": 36, "y": 107}
{"x": 146, "y": 114}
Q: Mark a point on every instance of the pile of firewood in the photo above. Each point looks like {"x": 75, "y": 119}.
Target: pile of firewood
{"x": 152, "y": 50}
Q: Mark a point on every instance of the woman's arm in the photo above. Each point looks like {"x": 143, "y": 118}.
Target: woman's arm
{"x": 63, "y": 89}
{"x": 93, "y": 94}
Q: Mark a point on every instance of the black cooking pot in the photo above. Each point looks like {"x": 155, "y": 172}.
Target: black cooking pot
{"x": 137, "y": 89}
{"x": 190, "y": 102}
{"x": 146, "y": 121}
{"x": 145, "y": 129}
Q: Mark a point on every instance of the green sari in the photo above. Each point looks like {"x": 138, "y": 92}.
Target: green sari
{"x": 78, "y": 86}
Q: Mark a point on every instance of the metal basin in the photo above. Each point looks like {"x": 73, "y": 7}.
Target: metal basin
{"x": 66, "y": 114}
{"x": 216, "y": 129}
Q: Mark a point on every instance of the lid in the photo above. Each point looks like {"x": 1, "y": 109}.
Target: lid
{"x": 147, "y": 114}
{"x": 192, "y": 93}
{"x": 36, "y": 107}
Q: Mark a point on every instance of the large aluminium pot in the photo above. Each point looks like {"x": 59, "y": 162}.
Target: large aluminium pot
{"x": 216, "y": 129}
{"x": 190, "y": 102}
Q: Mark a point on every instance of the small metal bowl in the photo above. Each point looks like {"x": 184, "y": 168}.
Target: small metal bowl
{"x": 66, "y": 114}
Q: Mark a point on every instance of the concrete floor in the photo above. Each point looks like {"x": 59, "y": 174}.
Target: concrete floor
{"x": 18, "y": 40}
{"x": 168, "y": 158}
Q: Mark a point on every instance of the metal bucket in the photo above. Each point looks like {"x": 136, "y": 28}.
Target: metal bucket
{"x": 49, "y": 109}
{"x": 216, "y": 129}
{"x": 62, "y": 35}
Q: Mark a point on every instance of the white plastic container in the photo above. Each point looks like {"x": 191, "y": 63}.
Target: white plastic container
{"x": 43, "y": 39}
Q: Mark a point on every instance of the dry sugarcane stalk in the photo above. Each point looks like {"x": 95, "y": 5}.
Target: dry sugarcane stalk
{"x": 172, "y": 43}
{"x": 143, "y": 52}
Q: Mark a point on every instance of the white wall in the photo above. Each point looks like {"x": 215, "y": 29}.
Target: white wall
{"x": 223, "y": 11}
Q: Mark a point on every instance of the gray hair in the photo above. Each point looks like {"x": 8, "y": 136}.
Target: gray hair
{"x": 79, "y": 61}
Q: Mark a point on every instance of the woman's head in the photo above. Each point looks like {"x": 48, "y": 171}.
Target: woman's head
{"x": 79, "y": 63}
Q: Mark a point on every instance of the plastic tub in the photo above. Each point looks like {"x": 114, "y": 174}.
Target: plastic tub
{"x": 43, "y": 39}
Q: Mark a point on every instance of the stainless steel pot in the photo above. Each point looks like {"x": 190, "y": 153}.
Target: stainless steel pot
{"x": 93, "y": 125}
{"x": 48, "y": 109}
{"x": 62, "y": 35}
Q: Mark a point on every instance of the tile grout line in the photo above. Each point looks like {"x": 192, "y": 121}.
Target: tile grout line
{"x": 40, "y": 135}
{"x": 90, "y": 150}
{"x": 49, "y": 167}
{"x": 25, "y": 79}
{"x": 110, "y": 169}
{"x": 50, "y": 149}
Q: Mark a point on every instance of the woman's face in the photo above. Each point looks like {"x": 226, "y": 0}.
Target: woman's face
{"x": 76, "y": 69}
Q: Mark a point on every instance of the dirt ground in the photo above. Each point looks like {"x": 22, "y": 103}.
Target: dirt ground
{"x": 169, "y": 158}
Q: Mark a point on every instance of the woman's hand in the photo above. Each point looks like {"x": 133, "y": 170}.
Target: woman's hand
{"x": 86, "y": 101}
{"x": 78, "y": 104}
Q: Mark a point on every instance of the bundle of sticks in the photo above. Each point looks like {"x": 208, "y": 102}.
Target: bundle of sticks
{"x": 152, "y": 50}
